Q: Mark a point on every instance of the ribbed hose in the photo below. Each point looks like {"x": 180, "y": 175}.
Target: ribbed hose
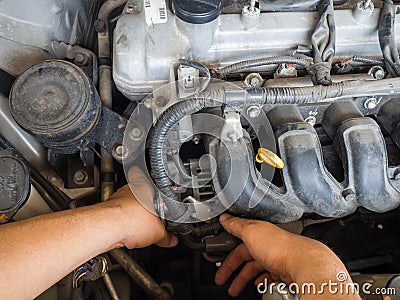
{"x": 314, "y": 94}
{"x": 176, "y": 209}
{"x": 368, "y": 60}
{"x": 253, "y": 63}
{"x": 301, "y": 95}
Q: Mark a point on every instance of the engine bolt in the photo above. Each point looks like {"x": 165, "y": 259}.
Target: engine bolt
{"x": 161, "y": 101}
{"x": 80, "y": 59}
{"x": 80, "y": 177}
{"x": 100, "y": 26}
{"x": 147, "y": 102}
{"x": 120, "y": 152}
{"x": 377, "y": 72}
{"x": 196, "y": 139}
{"x": 253, "y": 112}
{"x": 253, "y": 80}
{"x": 371, "y": 103}
{"x": 136, "y": 134}
{"x": 367, "y": 4}
{"x": 311, "y": 120}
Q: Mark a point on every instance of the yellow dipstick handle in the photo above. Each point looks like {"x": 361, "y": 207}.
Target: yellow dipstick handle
{"x": 269, "y": 157}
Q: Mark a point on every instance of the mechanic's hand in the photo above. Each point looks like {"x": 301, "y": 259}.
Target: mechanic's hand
{"x": 285, "y": 256}
{"x": 141, "y": 228}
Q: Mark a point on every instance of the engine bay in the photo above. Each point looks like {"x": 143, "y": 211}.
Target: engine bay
{"x": 280, "y": 111}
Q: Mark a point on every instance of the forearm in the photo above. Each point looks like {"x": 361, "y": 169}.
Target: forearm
{"x": 37, "y": 253}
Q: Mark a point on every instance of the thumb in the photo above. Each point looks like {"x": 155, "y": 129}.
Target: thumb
{"x": 233, "y": 225}
{"x": 168, "y": 241}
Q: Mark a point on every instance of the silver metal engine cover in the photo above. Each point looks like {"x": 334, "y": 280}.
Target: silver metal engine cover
{"x": 28, "y": 28}
{"x": 144, "y": 55}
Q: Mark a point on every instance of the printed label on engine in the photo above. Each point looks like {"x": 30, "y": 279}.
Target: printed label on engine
{"x": 9, "y": 184}
{"x": 155, "y": 11}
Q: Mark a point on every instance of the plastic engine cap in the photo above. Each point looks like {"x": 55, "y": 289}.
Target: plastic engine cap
{"x": 197, "y": 11}
{"x": 14, "y": 184}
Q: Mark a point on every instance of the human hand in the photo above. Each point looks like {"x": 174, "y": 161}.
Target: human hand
{"x": 285, "y": 256}
{"x": 140, "y": 227}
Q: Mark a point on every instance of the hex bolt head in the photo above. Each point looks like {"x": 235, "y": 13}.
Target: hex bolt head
{"x": 253, "y": 111}
{"x": 100, "y": 26}
{"x": 253, "y": 80}
{"x": 120, "y": 152}
{"x": 232, "y": 135}
{"x": 371, "y": 103}
{"x": 147, "y": 102}
{"x": 132, "y": 8}
{"x": 196, "y": 139}
{"x": 311, "y": 120}
{"x": 80, "y": 177}
{"x": 136, "y": 134}
{"x": 161, "y": 101}
{"x": 377, "y": 73}
{"x": 80, "y": 59}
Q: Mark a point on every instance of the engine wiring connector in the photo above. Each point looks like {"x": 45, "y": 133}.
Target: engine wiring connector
{"x": 270, "y": 158}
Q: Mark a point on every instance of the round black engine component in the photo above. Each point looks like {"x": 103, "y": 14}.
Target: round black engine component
{"x": 14, "y": 184}
{"x": 56, "y": 102}
{"x": 197, "y": 11}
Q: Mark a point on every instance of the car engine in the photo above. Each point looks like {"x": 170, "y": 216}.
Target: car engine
{"x": 281, "y": 111}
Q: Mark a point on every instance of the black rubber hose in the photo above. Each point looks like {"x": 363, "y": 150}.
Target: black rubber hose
{"x": 60, "y": 200}
{"x": 387, "y": 41}
{"x": 368, "y": 60}
{"x": 258, "y": 62}
{"x": 207, "y": 229}
{"x": 176, "y": 209}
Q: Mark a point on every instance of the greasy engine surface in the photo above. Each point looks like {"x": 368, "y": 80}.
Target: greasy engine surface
{"x": 283, "y": 111}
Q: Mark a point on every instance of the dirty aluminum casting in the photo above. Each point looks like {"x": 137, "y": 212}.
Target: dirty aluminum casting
{"x": 222, "y": 42}
{"x": 27, "y": 29}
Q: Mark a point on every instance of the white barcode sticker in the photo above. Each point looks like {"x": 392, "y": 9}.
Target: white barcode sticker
{"x": 155, "y": 11}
